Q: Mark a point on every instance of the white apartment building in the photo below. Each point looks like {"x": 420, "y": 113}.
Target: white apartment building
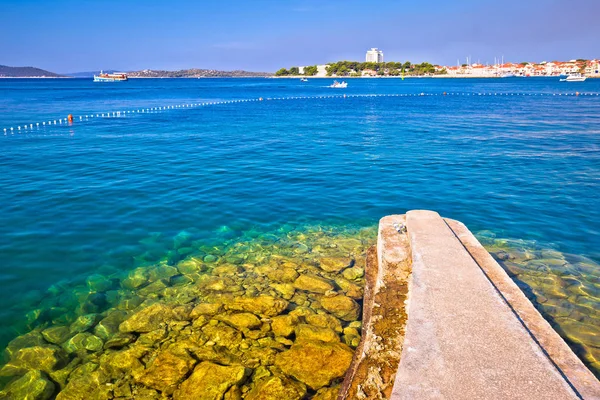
{"x": 374, "y": 55}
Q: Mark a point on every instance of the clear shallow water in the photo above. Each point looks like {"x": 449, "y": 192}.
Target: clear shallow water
{"x": 111, "y": 194}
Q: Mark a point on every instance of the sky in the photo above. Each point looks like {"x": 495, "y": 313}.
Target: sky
{"x": 67, "y": 36}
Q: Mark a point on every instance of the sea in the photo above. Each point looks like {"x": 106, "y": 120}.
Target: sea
{"x": 150, "y": 169}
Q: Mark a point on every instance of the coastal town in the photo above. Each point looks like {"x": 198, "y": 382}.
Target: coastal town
{"x": 375, "y": 66}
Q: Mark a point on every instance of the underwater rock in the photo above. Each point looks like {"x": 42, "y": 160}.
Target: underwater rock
{"x": 136, "y": 278}
{"x": 218, "y": 354}
{"x": 324, "y": 321}
{"x": 190, "y": 265}
{"x": 98, "y": 283}
{"x": 286, "y": 290}
{"x": 206, "y": 309}
{"x": 277, "y": 388}
{"x": 283, "y": 275}
{"x": 241, "y": 320}
{"x": 310, "y": 332}
{"x": 351, "y": 289}
{"x": 312, "y": 283}
{"x": 226, "y": 270}
{"x": 166, "y": 371}
{"x": 222, "y": 334}
{"x": 162, "y": 272}
{"x": 262, "y": 305}
{"x": 217, "y": 284}
{"x": 109, "y": 325}
{"x": 283, "y": 325}
{"x": 153, "y": 288}
{"x": 46, "y": 358}
{"x": 334, "y": 264}
{"x": 83, "y": 341}
{"x": 85, "y": 386}
{"x": 34, "y": 385}
{"x": 83, "y": 323}
{"x": 353, "y": 273}
{"x": 56, "y": 334}
{"x": 315, "y": 363}
{"x": 61, "y": 376}
{"x": 210, "y": 381}
{"x": 329, "y": 393}
{"x": 149, "y": 318}
{"x": 119, "y": 340}
{"x": 342, "y": 307}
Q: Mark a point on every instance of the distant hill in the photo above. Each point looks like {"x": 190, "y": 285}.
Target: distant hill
{"x": 25, "y": 72}
{"x": 88, "y": 74}
{"x": 195, "y": 73}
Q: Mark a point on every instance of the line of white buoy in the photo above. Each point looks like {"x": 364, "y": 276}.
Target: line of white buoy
{"x": 117, "y": 114}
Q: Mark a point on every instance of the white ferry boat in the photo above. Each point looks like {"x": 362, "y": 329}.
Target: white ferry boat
{"x": 114, "y": 77}
{"x": 339, "y": 85}
{"x": 574, "y": 78}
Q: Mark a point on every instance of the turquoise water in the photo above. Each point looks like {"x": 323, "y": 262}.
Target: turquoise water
{"x": 109, "y": 194}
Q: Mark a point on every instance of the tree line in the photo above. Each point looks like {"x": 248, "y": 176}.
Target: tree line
{"x": 355, "y": 68}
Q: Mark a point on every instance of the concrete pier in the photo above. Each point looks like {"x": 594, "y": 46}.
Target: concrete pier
{"x": 468, "y": 331}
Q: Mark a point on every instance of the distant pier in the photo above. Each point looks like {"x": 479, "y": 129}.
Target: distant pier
{"x": 442, "y": 320}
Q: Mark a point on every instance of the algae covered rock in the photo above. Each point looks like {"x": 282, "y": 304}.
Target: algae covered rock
{"x": 312, "y": 283}
{"x": 329, "y": 393}
{"x": 222, "y": 334}
{"x": 277, "y": 388}
{"x": 353, "y": 273}
{"x": 206, "y": 309}
{"x": 342, "y": 307}
{"x": 210, "y": 381}
{"x": 241, "y": 320}
{"x": 148, "y": 319}
{"x": 166, "y": 371}
{"x": 262, "y": 305}
{"x": 283, "y": 325}
{"x": 334, "y": 264}
{"x": 34, "y": 385}
{"x": 56, "y": 334}
{"x": 46, "y": 358}
{"x": 310, "y": 332}
{"x": 315, "y": 363}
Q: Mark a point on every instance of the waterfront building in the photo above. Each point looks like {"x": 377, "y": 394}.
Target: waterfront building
{"x": 374, "y": 55}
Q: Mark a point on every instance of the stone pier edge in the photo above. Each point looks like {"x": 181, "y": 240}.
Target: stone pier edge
{"x": 575, "y": 373}
{"x": 578, "y": 377}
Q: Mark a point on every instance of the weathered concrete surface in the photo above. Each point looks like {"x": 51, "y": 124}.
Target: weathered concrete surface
{"x": 573, "y": 370}
{"x": 462, "y": 339}
{"x": 371, "y": 375}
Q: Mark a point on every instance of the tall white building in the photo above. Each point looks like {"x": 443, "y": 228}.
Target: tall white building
{"x": 374, "y": 55}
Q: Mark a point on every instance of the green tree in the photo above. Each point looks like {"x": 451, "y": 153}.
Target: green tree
{"x": 294, "y": 71}
{"x": 311, "y": 70}
{"x": 282, "y": 72}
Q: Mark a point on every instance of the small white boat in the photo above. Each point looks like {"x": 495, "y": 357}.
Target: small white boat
{"x": 574, "y": 78}
{"x": 508, "y": 76}
{"x": 303, "y": 80}
{"x": 339, "y": 85}
{"x": 114, "y": 77}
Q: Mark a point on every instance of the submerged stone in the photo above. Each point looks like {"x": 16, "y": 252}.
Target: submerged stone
{"x": 241, "y": 320}
{"x": 315, "y": 363}
{"x": 329, "y": 393}
{"x": 46, "y": 358}
{"x": 277, "y": 388}
{"x": 334, "y": 264}
{"x": 312, "y": 283}
{"x": 342, "y": 307}
{"x": 206, "y": 309}
{"x": 263, "y": 305}
{"x": 310, "y": 332}
{"x": 148, "y": 319}
{"x": 83, "y": 323}
{"x": 210, "y": 381}
{"x": 136, "y": 278}
{"x": 283, "y": 325}
{"x": 34, "y": 385}
{"x": 57, "y": 334}
{"x": 109, "y": 326}
{"x": 166, "y": 371}
{"x": 353, "y": 273}
{"x": 98, "y": 283}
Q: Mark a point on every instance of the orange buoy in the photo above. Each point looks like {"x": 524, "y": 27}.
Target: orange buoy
{"x": 260, "y": 99}
{"x": 70, "y": 117}
{"x": 444, "y": 93}
{"x": 576, "y": 93}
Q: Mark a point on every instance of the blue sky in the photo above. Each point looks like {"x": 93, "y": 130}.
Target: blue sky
{"x": 264, "y": 35}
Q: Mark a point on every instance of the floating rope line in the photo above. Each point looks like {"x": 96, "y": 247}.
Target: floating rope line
{"x": 117, "y": 114}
